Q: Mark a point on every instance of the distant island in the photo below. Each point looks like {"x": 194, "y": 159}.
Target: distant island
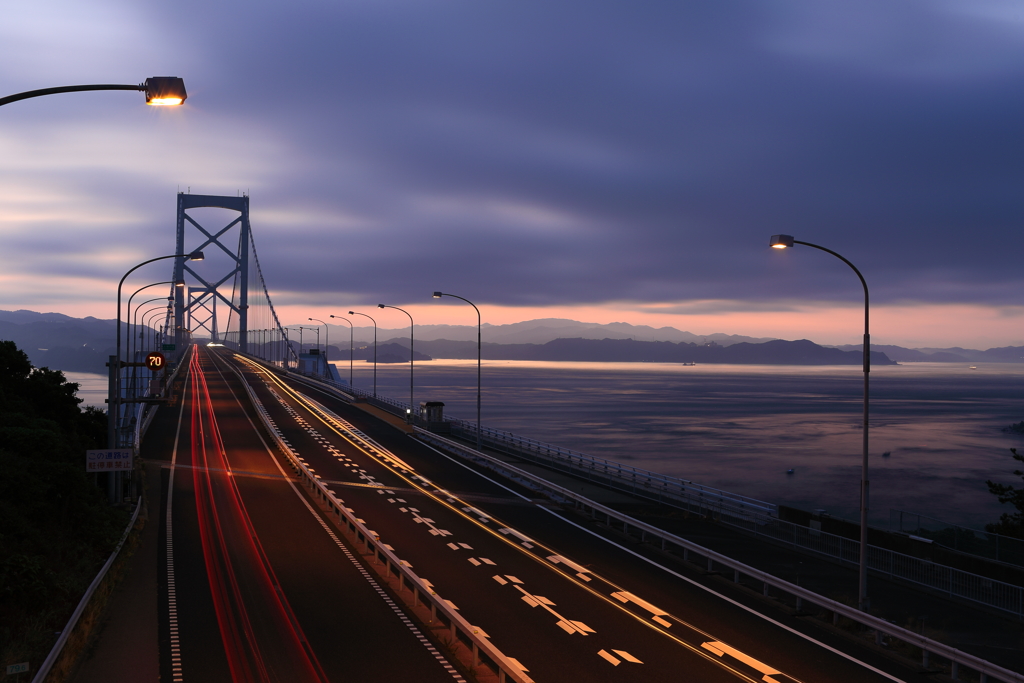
{"x": 82, "y": 345}
{"x": 775, "y": 352}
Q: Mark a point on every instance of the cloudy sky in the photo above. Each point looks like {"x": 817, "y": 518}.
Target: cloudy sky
{"x": 601, "y": 161}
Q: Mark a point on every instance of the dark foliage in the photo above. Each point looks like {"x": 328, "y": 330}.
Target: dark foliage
{"x": 56, "y": 527}
{"x": 1010, "y": 523}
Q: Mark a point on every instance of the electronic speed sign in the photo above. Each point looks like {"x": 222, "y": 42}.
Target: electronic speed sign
{"x": 155, "y": 361}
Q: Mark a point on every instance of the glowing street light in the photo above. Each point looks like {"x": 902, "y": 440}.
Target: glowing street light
{"x": 160, "y": 91}
{"x": 784, "y": 242}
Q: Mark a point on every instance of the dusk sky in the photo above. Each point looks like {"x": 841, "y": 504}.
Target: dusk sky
{"x": 593, "y": 160}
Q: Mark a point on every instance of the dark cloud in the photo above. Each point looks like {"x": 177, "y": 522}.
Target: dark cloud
{"x": 581, "y": 152}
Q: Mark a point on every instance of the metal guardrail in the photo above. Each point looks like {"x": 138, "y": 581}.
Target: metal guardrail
{"x": 668, "y": 541}
{"x": 58, "y": 647}
{"x": 985, "y": 544}
{"x": 482, "y": 649}
{"x": 644, "y": 483}
{"x": 953, "y": 582}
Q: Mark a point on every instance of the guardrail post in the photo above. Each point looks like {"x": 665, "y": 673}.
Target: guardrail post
{"x": 711, "y": 565}
{"x": 984, "y": 677}
{"x": 476, "y": 655}
{"x": 765, "y": 588}
{"x": 735, "y": 575}
{"x": 924, "y": 659}
{"x": 954, "y": 671}
{"x": 686, "y": 555}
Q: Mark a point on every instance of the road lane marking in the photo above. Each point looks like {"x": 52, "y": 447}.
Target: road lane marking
{"x": 607, "y": 656}
{"x": 568, "y": 625}
{"x": 720, "y": 649}
{"x": 628, "y": 657}
{"x": 696, "y": 584}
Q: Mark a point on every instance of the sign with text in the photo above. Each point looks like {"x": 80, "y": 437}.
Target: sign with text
{"x": 109, "y": 460}
{"x": 155, "y": 361}
{"x": 17, "y": 668}
{"x": 167, "y": 347}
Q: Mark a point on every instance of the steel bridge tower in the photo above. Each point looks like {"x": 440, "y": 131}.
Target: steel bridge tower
{"x": 238, "y": 274}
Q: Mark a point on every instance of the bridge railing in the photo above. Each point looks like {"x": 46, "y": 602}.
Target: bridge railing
{"x": 483, "y": 651}
{"x": 962, "y": 539}
{"x": 950, "y": 581}
{"x": 638, "y": 481}
{"x": 958, "y": 659}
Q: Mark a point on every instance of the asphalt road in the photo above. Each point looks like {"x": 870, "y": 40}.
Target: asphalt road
{"x": 547, "y": 589}
{"x": 253, "y": 588}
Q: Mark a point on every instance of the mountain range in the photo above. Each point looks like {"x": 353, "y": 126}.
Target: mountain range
{"x": 82, "y": 344}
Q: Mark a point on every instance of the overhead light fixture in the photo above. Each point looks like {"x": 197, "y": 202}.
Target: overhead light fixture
{"x": 781, "y": 241}
{"x": 165, "y": 91}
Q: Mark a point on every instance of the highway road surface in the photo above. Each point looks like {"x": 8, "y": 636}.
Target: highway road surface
{"x": 262, "y": 587}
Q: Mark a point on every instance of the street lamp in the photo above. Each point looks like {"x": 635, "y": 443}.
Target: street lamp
{"x": 351, "y": 345}
{"x": 160, "y": 90}
{"x": 411, "y": 349}
{"x": 782, "y": 242}
{"x": 115, "y": 400}
{"x": 165, "y": 282}
{"x": 438, "y": 295}
{"x": 327, "y": 340}
{"x": 374, "y": 349}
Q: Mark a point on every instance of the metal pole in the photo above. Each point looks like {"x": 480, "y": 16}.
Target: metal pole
{"x": 412, "y": 352}
{"x": 351, "y": 345}
{"x": 479, "y": 356}
{"x": 327, "y": 341}
{"x": 862, "y": 573}
{"x": 115, "y": 401}
{"x": 374, "y": 349}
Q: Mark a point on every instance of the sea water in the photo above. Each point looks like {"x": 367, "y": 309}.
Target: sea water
{"x": 936, "y": 429}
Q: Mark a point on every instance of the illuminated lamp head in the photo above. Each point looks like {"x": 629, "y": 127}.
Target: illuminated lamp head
{"x": 165, "y": 91}
{"x": 781, "y": 241}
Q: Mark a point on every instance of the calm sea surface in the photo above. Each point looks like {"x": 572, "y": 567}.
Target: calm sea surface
{"x": 741, "y": 427}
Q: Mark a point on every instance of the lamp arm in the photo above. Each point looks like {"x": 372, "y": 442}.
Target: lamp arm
{"x": 66, "y": 88}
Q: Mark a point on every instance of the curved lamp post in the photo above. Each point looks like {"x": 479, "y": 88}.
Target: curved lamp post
{"x": 412, "y": 351}
{"x": 135, "y": 335}
{"x": 327, "y": 341}
{"x": 179, "y": 283}
{"x": 115, "y": 400}
{"x": 160, "y": 90}
{"x": 782, "y": 242}
{"x": 374, "y": 349}
{"x": 351, "y": 345}
{"x": 438, "y": 295}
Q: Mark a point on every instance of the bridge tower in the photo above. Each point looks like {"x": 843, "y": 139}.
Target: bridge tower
{"x": 237, "y": 276}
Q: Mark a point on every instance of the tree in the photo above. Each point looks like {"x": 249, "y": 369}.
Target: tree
{"x": 1010, "y": 523}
